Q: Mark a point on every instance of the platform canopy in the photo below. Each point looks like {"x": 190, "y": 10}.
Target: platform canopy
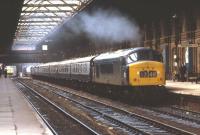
{"x": 40, "y": 17}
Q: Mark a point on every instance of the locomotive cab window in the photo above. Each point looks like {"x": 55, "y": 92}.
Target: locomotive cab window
{"x": 142, "y": 55}
{"x": 133, "y": 58}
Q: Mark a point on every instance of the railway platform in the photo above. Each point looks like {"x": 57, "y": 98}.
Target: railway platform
{"x": 187, "y": 88}
{"x": 17, "y": 117}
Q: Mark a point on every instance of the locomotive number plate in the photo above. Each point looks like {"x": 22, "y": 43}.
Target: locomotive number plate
{"x": 148, "y": 74}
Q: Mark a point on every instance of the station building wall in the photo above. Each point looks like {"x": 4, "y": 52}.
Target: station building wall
{"x": 178, "y": 38}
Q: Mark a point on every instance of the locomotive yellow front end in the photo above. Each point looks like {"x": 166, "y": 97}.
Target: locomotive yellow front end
{"x": 146, "y": 73}
{"x": 145, "y": 68}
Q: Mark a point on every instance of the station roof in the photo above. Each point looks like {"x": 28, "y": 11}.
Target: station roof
{"x": 40, "y": 17}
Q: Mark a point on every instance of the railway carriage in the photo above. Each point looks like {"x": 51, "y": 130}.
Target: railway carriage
{"x": 53, "y": 70}
{"x": 81, "y": 69}
{"x": 64, "y": 69}
{"x": 43, "y": 70}
{"x": 35, "y": 71}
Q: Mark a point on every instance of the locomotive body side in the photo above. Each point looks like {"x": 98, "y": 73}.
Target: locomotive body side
{"x": 109, "y": 72}
{"x": 110, "y": 68}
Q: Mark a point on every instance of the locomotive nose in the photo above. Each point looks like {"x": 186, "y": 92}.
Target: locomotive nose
{"x": 146, "y": 73}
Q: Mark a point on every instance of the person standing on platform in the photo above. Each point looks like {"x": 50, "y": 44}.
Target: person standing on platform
{"x": 184, "y": 69}
{"x": 183, "y": 72}
{"x": 5, "y": 73}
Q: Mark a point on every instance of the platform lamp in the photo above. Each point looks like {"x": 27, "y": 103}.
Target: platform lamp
{"x": 44, "y": 47}
{"x": 44, "y": 52}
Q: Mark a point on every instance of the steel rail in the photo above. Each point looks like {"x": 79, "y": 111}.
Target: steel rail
{"x": 40, "y": 115}
{"x": 60, "y": 109}
{"x": 186, "y": 110}
{"x": 176, "y": 115}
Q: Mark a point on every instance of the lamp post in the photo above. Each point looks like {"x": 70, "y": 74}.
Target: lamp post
{"x": 176, "y": 32}
{"x": 176, "y": 35}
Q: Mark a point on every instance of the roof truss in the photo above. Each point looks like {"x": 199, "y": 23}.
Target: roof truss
{"x": 39, "y": 17}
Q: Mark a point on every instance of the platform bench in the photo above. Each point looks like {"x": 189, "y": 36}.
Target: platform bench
{"x": 193, "y": 77}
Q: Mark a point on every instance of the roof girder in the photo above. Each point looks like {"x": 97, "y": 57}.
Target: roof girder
{"x": 49, "y": 5}
{"x": 48, "y": 11}
{"x": 45, "y": 16}
{"x": 45, "y": 21}
{"x": 40, "y": 17}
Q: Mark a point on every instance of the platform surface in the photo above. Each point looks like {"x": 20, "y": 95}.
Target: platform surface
{"x": 17, "y": 117}
{"x": 187, "y": 88}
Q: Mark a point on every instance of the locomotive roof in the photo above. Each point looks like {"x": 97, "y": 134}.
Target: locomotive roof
{"x": 118, "y": 53}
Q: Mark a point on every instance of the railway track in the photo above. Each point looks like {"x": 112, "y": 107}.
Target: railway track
{"x": 178, "y": 113}
{"x": 134, "y": 123}
{"x": 28, "y": 96}
{"x": 36, "y": 98}
{"x": 186, "y": 111}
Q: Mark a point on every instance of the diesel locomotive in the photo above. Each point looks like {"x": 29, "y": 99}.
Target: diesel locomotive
{"x": 127, "y": 67}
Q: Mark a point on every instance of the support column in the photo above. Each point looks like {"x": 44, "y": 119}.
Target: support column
{"x": 190, "y": 60}
{"x": 165, "y": 53}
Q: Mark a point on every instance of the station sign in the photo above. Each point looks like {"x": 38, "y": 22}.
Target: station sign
{"x": 188, "y": 45}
